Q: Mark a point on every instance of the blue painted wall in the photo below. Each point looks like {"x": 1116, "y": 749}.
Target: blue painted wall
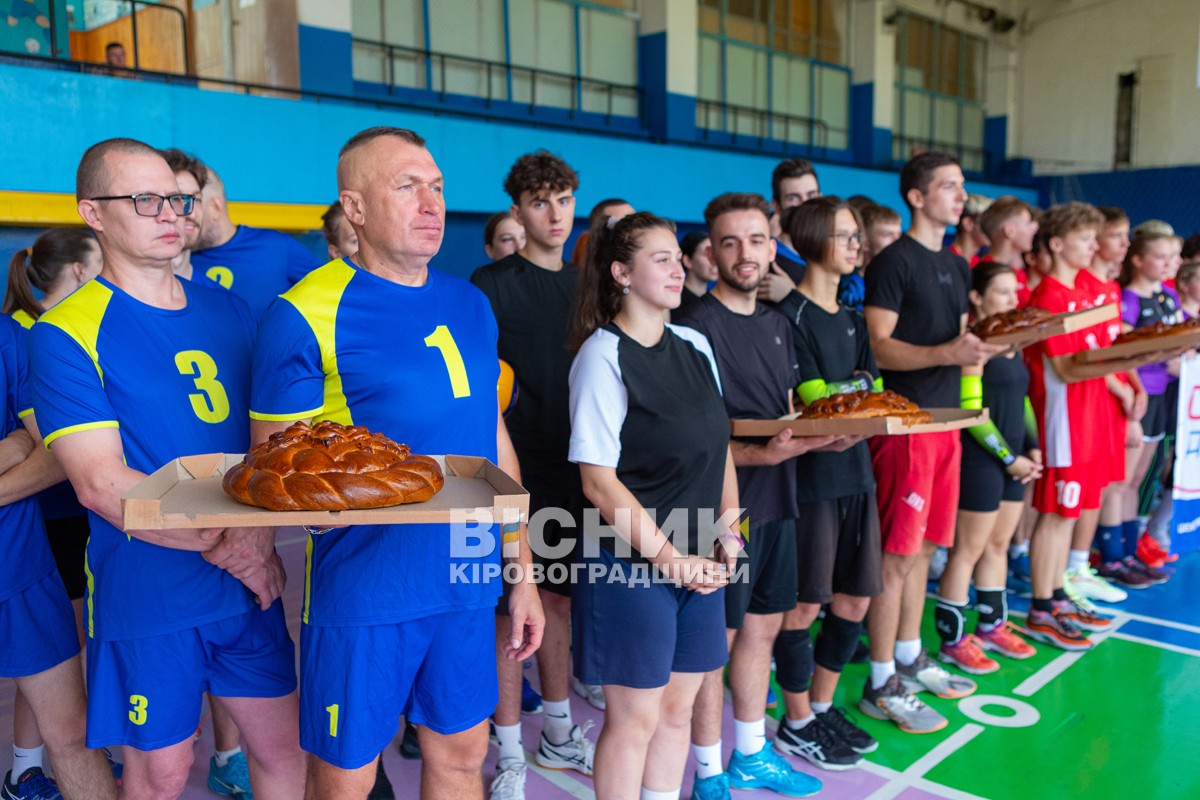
{"x": 275, "y": 150}
{"x": 325, "y": 60}
{"x": 1169, "y": 193}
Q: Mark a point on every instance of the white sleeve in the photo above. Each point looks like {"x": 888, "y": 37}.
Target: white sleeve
{"x": 701, "y": 343}
{"x": 599, "y": 402}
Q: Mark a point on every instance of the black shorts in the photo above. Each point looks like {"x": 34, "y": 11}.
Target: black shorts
{"x": 838, "y": 549}
{"x": 768, "y": 585}
{"x": 985, "y": 484}
{"x": 68, "y": 541}
{"x": 551, "y": 518}
{"x": 1154, "y": 424}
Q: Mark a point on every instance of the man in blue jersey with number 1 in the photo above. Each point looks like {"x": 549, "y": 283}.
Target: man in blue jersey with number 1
{"x": 132, "y": 370}
{"x": 390, "y": 626}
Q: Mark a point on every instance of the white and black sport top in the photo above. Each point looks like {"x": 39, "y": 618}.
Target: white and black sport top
{"x": 654, "y": 414}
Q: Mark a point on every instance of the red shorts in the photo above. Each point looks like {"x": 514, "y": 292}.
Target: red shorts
{"x": 1066, "y": 491}
{"x": 1116, "y": 420}
{"x": 916, "y": 483}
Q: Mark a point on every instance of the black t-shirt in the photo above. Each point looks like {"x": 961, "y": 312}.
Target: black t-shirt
{"x": 533, "y": 308}
{"x": 758, "y": 371}
{"x": 1005, "y": 384}
{"x": 790, "y": 262}
{"x": 928, "y": 290}
{"x": 655, "y": 415}
{"x": 687, "y": 301}
{"x": 830, "y": 347}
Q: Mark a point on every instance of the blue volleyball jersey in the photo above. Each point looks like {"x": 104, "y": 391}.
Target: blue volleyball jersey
{"x": 256, "y": 264}
{"x": 174, "y": 383}
{"x": 200, "y": 279}
{"x": 417, "y": 364}
{"x": 27, "y": 558}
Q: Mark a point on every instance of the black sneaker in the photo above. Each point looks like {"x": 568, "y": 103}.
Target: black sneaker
{"x": 410, "y": 745}
{"x": 859, "y": 740}
{"x": 382, "y": 790}
{"x": 818, "y": 744}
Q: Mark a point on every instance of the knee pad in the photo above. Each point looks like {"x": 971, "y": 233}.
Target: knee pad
{"x": 794, "y": 660}
{"x": 949, "y": 619}
{"x": 836, "y": 642}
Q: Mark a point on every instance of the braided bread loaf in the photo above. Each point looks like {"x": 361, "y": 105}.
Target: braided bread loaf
{"x": 1018, "y": 319}
{"x": 331, "y": 467}
{"x": 865, "y": 405}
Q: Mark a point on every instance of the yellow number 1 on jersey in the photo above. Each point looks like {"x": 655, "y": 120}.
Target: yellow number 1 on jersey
{"x": 444, "y": 342}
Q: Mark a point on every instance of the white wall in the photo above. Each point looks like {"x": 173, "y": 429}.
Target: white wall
{"x": 1070, "y": 54}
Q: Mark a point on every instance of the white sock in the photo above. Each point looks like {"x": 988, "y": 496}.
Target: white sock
{"x": 881, "y": 671}
{"x": 821, "y": 708}
{"x": 223, "y": 756}
{"x": 510, "y": 742}
{"x": 798, "y": 724}
{"x": 1018, "y": 550}
{"x": 556, "y": 720}
{"x": 750, "y": 737}
{"x": 708, "y": 760}
{"x": 26, "y": 758}
{"x": 907, "y": 651}
{"x": 647, "y": 794}
{"x": 1078, "y": 560}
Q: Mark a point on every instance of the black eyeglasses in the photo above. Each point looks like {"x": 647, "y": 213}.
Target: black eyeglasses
{"x": 150, "y": 205}
{"x": 846, "y": 238}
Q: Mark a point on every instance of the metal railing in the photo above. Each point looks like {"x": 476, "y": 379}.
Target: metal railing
{"x": 133, "y": 21}
{"x": 744, "y": 122}
{"x": 501, "y": 82}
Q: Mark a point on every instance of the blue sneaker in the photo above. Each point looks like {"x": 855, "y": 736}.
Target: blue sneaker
{"x": 772, "y": 700}
{"x": 232, "y": 780}
{"x": 766, "y": 769}
{"x": 32, "y": 785}
{"x": 1019, "y": 581}
{"x": 715, "y": 787}
{"x": 531, "y": 701}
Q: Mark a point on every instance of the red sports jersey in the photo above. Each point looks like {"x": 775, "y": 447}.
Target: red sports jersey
{"x": 1106, "y": 292}
{"x": 1065, "y": 411}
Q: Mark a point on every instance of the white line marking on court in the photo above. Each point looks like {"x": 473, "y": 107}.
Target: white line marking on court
{"x": 916, "y": 771}
{"x": 1036, "y": 681}
{"x": 560, "y": 779}
{"x": 1166, "y": 623}
{"x": 949, "y": 792}
{"x": 1128, "y": 637}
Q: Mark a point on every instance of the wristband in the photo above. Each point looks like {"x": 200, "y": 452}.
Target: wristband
{"x": 741, "y": 542}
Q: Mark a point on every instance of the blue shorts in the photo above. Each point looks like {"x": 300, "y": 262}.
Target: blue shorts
{"x": 37, "y": 629}
{"x": 147, "y": 693}
{"x": 632, "y": 634}
{"x": 355, "y": 682}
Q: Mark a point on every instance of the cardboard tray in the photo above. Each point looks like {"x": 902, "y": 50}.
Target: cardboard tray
{"x": 1188, "y": 337}
{"x": 187, "y": 493}
{"x": 944, "y": 419}
{"x": 1061, "y": 323}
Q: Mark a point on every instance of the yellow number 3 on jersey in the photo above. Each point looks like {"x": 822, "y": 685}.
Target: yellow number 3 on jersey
{"x": 211, "y": 404}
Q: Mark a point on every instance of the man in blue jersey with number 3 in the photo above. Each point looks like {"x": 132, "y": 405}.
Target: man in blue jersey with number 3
{"x": 390, "y": 626}
{"x": 132, "y": 370}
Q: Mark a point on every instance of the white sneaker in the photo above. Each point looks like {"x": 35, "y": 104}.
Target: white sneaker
{"x": 593, "y": 694}
{"x": 509, "y": 783}
{"x": 1088, "y": 584}
{"x": 576, "y": 753}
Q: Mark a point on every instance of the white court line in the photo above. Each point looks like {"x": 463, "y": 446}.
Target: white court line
{"x": 948, "y": 792}
{"x": 1187, "y": 651}
{"x": 915, "y": 772}
{"x": 1043, "y": 676}
{"x": 1166, "y": 623}
{"x": 561, "y": 779}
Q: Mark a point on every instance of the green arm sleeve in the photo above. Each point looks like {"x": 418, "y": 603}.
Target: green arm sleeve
{"x": 986, "y": 435}
{"x": 816, "y": 388}
{"x": 1031, "y": 430}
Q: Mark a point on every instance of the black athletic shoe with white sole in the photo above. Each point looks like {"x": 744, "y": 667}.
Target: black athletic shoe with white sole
{"x": 859, "y": 740}
{"x": 818, "y": 744}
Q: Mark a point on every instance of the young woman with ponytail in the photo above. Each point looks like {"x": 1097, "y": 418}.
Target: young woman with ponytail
{"x": 59, "y": 262}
